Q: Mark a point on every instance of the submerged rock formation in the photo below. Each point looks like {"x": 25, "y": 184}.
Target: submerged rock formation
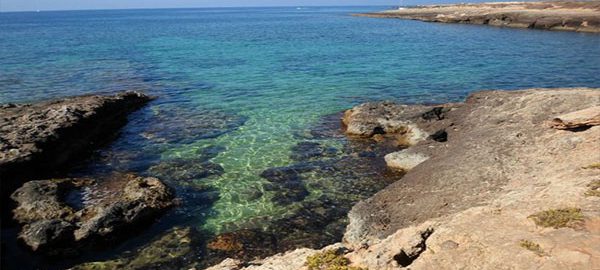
{"x": 173, "y": 250}
{"x": 39, "y": 140}
{"x": 580, "y": 16}
{"x": 58, "y": 214}
{"x": 504, "y": 191}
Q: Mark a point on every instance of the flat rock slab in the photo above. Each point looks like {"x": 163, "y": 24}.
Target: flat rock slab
{"x": 565, "y": 16}
{"x": 41, "y": 139}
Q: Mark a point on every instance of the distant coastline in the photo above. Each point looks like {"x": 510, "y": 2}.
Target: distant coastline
{"x": 560, "y": 16}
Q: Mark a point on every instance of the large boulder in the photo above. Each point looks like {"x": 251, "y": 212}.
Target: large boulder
{"x": 60, "y": 213}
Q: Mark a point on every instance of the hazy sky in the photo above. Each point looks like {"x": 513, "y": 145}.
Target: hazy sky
{"x": 27, "y": 5}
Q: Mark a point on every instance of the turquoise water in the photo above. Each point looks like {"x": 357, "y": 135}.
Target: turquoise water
{"x": 240, "y": 88}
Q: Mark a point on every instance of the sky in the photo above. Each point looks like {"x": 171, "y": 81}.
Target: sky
{"x": 32, "y": 5}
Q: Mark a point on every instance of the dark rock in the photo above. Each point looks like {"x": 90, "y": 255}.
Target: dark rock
{"x": 437, "y": 113}
{"x": 47, "y": 234}
{"x": 175, "y": 249}
{"x": 113, "y": 205}
{"x": 38, "y": 140}
{"x": 309, "y": 150}
{"x": 439, "y": 136}
{"x": 289, "y": 173}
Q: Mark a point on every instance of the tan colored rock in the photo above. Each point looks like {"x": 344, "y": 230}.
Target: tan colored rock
{"x": 580, "y": 16}
{"x": 580, "y": 119}
{"x": 404, "y": 160}
{"x": 389, "y": 118}
{"x": 469, "y": 205}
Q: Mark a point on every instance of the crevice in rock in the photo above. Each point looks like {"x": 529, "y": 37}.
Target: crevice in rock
{"x": 437, "y": 113}
{"x": 404, "y": 258}
{"x": 439, "y": 136}
{"x": 578, "y": 129}
{"x": 378, "y": 130}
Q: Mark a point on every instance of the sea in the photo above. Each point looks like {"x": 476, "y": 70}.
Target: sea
{"x": 245, "y": 126}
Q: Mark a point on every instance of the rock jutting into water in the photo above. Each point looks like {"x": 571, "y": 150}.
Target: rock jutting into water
{"x": 478, "y": 198}
{"x": 580, "y": 16}
{"x": 62, "y": 214}
{"x": 41, "y": 139}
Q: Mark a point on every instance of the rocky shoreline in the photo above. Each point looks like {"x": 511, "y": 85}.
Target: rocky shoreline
{"x": 576, "y": 16}
{"x": 44, "y": 141}
{"x": 509, "y": 180}
{"x": 504, "y": 179}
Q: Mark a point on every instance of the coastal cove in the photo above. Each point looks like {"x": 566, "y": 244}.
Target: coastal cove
{"x": 245, "y": 118}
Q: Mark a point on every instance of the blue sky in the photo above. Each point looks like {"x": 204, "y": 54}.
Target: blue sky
{"x": 30, "y": 5}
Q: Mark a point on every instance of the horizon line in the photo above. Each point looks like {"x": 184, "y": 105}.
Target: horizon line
{"x": 156, "y": 8}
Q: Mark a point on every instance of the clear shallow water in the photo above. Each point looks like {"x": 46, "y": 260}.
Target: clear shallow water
{"x": 252, "y": 83}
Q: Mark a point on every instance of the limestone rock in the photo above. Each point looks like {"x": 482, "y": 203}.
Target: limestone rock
{"x": 577, "y": 120}
{"x": 377, "y": 118}
{"x": 404, "y": 160}
{"x": 580, "y": 16}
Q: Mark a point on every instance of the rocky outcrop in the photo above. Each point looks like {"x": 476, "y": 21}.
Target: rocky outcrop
{"x": 384, "y": 119}
{"x": 580, "y": 16}
{"x": 504, "y": 191}
{"x": 66, "y": 213}
{"x": 42, "y": 139}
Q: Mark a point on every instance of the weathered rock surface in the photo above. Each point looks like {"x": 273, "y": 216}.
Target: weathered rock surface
{"x": 578, "y": 120}
{"x": 385, "y": 118}
{"x": 404, "y": 160}
{"x": 38, "y": 140}
{"x": 59, "y": 213}
{"x": 581, "y": 16}
{"x": 469, "y": 205}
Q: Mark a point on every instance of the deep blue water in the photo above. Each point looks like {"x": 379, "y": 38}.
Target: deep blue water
{"x": 239, "y": 87}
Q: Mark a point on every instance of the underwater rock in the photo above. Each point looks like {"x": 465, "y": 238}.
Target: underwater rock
{"x": 287, "y": 183}
{"x": 309, "y": 150}
{"x": 185, "y": 170}
{"x": 244, "y": 243}
{"x": 37, "y": 140}
{"x": 174, "y": 249}
{"x": 186, "y": 124}
{"x": 50, "y": 222}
